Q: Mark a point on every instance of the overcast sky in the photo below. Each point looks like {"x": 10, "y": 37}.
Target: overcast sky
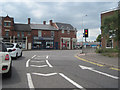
{"x": 79, "y": 14}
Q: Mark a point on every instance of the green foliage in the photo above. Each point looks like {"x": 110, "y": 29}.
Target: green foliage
{"x": 110, "y": 23}
{"x": 107, "y": 50}
{"x": 98, "y": 38}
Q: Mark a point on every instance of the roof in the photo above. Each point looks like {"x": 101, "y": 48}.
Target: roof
{"x": 65, "y": 26}
{"x": 110, "y": 10}
{"x": 22, "y": 27}
{"x": 42, "y": 27}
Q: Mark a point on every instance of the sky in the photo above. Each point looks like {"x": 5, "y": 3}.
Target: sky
{"x": 81, "y": 14}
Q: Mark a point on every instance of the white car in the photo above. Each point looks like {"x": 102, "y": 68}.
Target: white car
{"x": 14, "y": 49}
{"x": 5, "y": 61}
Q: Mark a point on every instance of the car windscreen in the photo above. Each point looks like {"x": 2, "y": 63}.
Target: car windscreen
{"x": 9, "y": 45}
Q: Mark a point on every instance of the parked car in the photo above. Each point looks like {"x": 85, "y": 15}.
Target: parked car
{"x": 14, "y": 49}
{"x": 5, "y": 61}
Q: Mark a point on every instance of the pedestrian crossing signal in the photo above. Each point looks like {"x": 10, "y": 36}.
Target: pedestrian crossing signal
{"x": 86, "y": 32}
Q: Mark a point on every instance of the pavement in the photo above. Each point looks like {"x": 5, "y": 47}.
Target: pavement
{"x": 91, "y": 55}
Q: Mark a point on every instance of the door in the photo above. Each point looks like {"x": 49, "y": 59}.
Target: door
{"x": 56, "y": 45}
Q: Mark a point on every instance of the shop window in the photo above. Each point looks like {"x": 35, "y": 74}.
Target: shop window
{"x": 49, "y": 44}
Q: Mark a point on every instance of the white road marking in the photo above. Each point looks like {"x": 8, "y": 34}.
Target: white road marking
{"x": 91, "y": 69}
{"x": 50, "y": 74}
{"x": 49, "y": 64}
{"x": 39, "y": 66}
{"x": 34, "y": 56}
{"x": 71, "y": 81}
{"x": 30, "y": 83}
{"x": 47, "y": 57}
{"x": 38, "y": 58}
{"x": 27, "y": 63}
{"x": 37, "y": 61}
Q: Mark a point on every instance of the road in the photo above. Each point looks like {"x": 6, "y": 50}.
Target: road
{"x": 58, "y": 69}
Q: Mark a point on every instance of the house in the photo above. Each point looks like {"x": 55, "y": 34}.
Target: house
{"x": 39, "y": 36}
{"x": 108, "y": 43}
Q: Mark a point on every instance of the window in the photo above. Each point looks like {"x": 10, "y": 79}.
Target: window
{"x": 22, "y": 34}
{"x": 5, "y": 23}
{"x": 52, "y": 33}
{"x": 29, "y": 33}
{"x": 7, "y": 33}
{"x": 62, "y": 31}
{"x": 39, "y": 34}
{"x": 9, "y": 24}
{"x": 109, "y": 44}
{"x": 18, "y": 34}
{"x": 68, "y": 31}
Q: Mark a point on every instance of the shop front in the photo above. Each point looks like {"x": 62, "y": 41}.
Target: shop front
{"x": 43, "y": 43}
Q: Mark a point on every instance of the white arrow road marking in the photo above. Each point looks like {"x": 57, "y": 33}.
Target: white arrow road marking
{"x": 71, "y": 81}
{"x": 50, "y": 74}
{"x": 30, "y": 83}
{"x": 89, "y": 68}
{"x": 27, "y": 63}
{"x": 47, "y": 57}
{"x": 39, "y": 66}
{"x": 34, "y": 56}
{"x": 49, "y": 64}
{"x": 37, "y": 61}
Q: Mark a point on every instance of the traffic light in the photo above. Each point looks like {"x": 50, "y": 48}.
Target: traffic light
{"x": 86, "y": 32}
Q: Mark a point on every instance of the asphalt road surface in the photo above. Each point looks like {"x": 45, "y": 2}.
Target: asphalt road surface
{"x": 58, "y": 69}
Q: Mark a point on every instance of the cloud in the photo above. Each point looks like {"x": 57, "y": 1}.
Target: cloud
{"x": 66, "y": 12}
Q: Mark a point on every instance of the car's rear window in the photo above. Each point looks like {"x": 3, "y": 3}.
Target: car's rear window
{"x": 8, "y": 45}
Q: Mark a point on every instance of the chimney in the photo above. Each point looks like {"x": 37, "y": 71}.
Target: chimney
{"x": 51, "y": 23}
{"x": 44, "y": 22}
{"x": 28, "y": 20}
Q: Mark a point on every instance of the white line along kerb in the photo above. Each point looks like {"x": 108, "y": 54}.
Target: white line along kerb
{"x": 49, "y": 64}
{"x": 71, "y": 81}
{"x": 30, "y": 83}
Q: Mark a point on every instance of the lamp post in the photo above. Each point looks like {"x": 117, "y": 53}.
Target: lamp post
{"x": 83, "y": 29}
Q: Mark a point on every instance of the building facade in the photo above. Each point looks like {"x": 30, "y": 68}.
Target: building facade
{"x": 38, "y": 36}
{"x": 108, "y": 43}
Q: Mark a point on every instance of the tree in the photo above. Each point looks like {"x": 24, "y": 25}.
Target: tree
{"x": 110, "y": 26}
{"x": 98, "y": 38}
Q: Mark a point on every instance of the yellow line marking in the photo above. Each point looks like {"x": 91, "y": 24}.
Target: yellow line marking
{"x": 89, "y": 61}
{"x": 115, "y": 69}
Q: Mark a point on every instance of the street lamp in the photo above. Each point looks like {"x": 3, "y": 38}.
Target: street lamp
{"x": 83, "y": 25}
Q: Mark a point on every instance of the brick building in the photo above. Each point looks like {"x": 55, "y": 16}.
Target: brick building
{"x": 38, "y": 36}
{"x": 111, "y": 42}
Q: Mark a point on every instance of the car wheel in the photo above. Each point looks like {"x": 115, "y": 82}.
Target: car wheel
{"x": 9, "y": 73}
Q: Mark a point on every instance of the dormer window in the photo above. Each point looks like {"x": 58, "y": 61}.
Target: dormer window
{"x": 68, "y": 31}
